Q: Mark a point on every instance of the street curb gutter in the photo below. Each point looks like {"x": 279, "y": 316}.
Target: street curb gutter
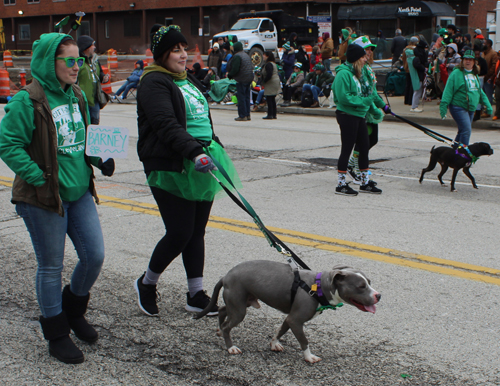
{"x": 326, "y": 112}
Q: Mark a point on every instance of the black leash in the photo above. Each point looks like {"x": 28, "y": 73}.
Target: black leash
{"x": 425, "y": 130}
{"x": 273, "y": 240}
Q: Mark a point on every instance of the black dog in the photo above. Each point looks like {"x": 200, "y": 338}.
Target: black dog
{"x": 456, "y": 159}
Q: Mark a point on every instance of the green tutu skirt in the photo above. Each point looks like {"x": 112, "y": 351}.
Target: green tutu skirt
{"x": 197, "y": 186}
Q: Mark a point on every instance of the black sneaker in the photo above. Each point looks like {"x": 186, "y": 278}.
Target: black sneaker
{"x": 199, "y": 302}
{"x": 345, "y": 190}
{"x": 356, "y": 177}
{"x": 146, "y": 297}
{"x": 370, "y": 188}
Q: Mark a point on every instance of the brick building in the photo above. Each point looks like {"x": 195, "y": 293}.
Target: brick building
{"x": 124, "y": 24}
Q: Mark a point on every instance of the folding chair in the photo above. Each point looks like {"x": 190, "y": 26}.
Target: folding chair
{"x": 133, "y": 92}
{"x": 325, "y": 99}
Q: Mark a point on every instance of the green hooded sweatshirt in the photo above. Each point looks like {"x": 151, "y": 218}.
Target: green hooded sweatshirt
{"x": 463, "y": 90}
{"x": 348, "y": 95}
{"x": 16, "y": 128}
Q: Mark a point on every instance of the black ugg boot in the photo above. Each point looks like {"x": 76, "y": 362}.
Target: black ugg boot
{"x": 75, "y": 307}
{"x": 56, "y": 331}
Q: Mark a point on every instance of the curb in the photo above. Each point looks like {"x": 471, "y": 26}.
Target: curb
{"x": 481, "y": 124}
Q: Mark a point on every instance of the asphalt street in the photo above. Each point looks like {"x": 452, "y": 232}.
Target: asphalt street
{"x": 431, "y": 253}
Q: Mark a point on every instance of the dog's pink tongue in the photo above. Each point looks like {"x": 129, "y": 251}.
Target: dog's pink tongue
{"x": 371, "y": 309}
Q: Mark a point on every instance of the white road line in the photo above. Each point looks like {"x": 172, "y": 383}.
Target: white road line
{"x": 433, "y": 180}
{"x": 381, "y": 175}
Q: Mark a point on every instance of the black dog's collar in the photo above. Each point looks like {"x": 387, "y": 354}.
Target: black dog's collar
{"x": 469, "y": 156}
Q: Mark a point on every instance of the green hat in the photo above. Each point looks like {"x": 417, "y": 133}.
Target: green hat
{"x": 319, "y": 66}
{"x": 469, "y": 54}
{"x": 298, "y": 64}
{"x": 286, "y": 46}
{"x": 442, "y": 32}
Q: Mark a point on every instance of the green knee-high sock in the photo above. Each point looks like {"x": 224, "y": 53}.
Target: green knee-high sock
{"x": 353, "y": 161}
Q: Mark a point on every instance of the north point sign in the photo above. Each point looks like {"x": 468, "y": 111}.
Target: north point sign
{"x": 410, "y": 11}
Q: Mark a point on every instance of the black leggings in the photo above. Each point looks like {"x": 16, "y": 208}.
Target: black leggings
{"x": 185, "y": 223}
{"x": 352, "y": 131}
{"x": 271, "y": 105}
{"x": 373, "y": 136}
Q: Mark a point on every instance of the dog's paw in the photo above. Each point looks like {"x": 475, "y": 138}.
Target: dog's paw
{"x": 444, "y": 185}
{"x": 475, "y": 187}
{"x": 310, "y": 357}
{"x": 234, "y": 350}
{"x": 218, "y": 332}
{"x": 453, "y": 190}
{"x": 276, "y": 345}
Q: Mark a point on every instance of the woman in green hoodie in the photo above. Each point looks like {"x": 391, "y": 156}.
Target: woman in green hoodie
{"x": 354, "y": 97}
{"x": 462, "y": 94}
{"x": 42, "y": 139}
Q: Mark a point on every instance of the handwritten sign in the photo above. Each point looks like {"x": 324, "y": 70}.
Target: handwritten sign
{"x": 107, "y": 142}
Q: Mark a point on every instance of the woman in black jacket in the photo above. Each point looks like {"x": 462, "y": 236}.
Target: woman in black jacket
{"x": 177, "y": 147}
{"x": 420, "y": 64}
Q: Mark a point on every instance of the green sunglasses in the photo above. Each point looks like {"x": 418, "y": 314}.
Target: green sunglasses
{"x": 70, "y": 61}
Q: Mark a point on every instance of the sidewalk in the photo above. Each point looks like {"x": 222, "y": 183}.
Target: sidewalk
{"x": 429, "y": 117}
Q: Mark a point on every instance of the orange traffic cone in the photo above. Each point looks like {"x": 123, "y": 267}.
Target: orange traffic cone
{"x": 7, "y": 59}
{"x": 149, "y": 58}
{"x": 197, "y": 57}
{"x": 106, "y": 87}
{"x": 4, "y": 83}
{"x": 112, "y": 59}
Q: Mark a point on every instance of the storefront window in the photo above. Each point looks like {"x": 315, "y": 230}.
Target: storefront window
{"x": 24, "y": 32}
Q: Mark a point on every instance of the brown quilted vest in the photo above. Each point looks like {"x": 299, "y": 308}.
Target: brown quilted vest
{"x": 43, "y": 150}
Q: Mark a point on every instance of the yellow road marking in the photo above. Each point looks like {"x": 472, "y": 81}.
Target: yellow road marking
{"x": 365, "y": 251}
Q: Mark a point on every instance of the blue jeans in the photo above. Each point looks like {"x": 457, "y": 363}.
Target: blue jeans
{"x": 463, "y": 118}
{"x": 125, "y": 88}
{"x": 95, "y": 113}
{"x": 243, "y": 95}
{"x": 327, "y": 63}
{"x": 314, "y": 89}
{"x": 488, "y": 90}
{"x": 260, "y": 95}
{"x": 48, "y": 234}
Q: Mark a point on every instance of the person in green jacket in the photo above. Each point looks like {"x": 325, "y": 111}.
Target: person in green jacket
{"x": 90, "y": 75}
{"x": 43, "y": 139}
{"x": 374, "y": 115}
{"x": 316, "y": 82}
{"x": 354, "y": 97}
{"x": 461, "y": 96}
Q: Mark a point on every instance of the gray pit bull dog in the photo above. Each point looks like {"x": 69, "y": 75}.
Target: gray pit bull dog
{"x": 272, "y": 283}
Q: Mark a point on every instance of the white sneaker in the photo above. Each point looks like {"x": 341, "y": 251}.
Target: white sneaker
{"x": 416, "y": 110}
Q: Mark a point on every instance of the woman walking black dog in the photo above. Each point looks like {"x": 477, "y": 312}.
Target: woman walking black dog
{"x": 177, "y": 146}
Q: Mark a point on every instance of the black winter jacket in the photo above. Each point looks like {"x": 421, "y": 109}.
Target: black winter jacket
{"x": 420, "y": 60}
{"x": 163, "y": 138}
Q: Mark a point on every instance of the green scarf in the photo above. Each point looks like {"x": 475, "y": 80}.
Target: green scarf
{"x": 294, "y": 76}
{"x": 156, "y": 68}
